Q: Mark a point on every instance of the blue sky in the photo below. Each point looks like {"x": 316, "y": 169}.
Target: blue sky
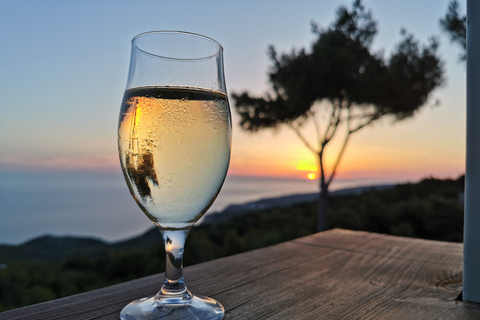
{"x": 64, "y": 67}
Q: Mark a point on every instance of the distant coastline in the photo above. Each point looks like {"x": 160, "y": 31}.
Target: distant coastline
{"x": 69, "y": 242}
{"x": 100, "y": 206}
{"x": 283, "y": 201}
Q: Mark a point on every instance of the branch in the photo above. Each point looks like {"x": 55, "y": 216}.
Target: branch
{"x": 340, "y": 154}
{"x": 349, "y": 132}
{"x": 333, "y": 123}
{"x": 337, "y": 119}
{"x": 299, "y": 134}
{"x": 317, "y": 128}
{"x": 330, "y": 123}
{"x": 366, "y": 123}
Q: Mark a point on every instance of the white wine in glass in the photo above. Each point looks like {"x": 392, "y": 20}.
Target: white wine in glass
{"x": 174, "y": 139}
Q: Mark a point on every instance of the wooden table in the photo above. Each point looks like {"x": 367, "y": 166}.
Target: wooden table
{"x": 337, "y": 274}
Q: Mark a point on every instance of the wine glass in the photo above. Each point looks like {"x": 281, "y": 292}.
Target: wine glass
{"x": 174, "y": 140}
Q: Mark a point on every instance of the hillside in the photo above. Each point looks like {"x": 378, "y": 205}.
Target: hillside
{"x": 57, "y": 249}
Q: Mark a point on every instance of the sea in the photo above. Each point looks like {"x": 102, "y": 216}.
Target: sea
{"x": 99, "y": 205}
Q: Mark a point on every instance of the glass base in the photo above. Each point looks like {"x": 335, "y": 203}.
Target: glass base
{"x": 182, "y": 308}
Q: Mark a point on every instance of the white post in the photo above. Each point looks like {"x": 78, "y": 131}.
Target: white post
{"x": 471, "y": 249}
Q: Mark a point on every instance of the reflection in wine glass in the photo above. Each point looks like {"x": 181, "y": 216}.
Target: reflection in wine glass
{"x": 174, "y": 139}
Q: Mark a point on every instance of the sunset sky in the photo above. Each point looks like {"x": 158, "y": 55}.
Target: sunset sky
{"x": 64, "y": 67}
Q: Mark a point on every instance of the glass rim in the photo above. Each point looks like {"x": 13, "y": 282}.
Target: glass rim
{"x": 181, "y": 33}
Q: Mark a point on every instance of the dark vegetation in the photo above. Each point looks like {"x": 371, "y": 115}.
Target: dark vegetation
{"x": 48, "y": 268}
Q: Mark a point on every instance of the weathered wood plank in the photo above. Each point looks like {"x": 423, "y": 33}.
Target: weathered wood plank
{"x": 337, "y": 274}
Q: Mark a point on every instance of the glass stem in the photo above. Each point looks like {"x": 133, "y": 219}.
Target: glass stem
{"x": 174, "y": 284}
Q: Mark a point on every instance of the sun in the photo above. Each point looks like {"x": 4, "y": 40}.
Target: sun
{"x": 311, "y": 176}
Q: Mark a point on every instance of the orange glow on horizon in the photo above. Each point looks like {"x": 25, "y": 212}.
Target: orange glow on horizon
{"x": 306, "y": 165}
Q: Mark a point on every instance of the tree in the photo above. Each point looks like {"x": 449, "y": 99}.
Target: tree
{"x": 342, "y": 78}
{"x": 456, "y": 26}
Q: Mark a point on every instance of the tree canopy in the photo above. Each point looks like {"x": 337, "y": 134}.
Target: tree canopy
{"x": 341, "y": 68}
{"x": 456, "y": 25}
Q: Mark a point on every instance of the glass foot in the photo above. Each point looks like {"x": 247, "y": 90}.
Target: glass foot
{"x": 194, "y": 307}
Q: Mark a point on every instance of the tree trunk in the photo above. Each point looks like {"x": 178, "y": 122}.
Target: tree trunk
{"x": 322, "y": 196}
{"x": 322, "y": 207}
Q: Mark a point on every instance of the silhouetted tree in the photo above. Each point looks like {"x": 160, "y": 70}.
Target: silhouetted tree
{"x": 456, "y": 25}
{"x": 342, "y": 78}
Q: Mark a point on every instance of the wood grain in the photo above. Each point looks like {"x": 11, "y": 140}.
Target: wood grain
{"x": 337, "y": 274}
